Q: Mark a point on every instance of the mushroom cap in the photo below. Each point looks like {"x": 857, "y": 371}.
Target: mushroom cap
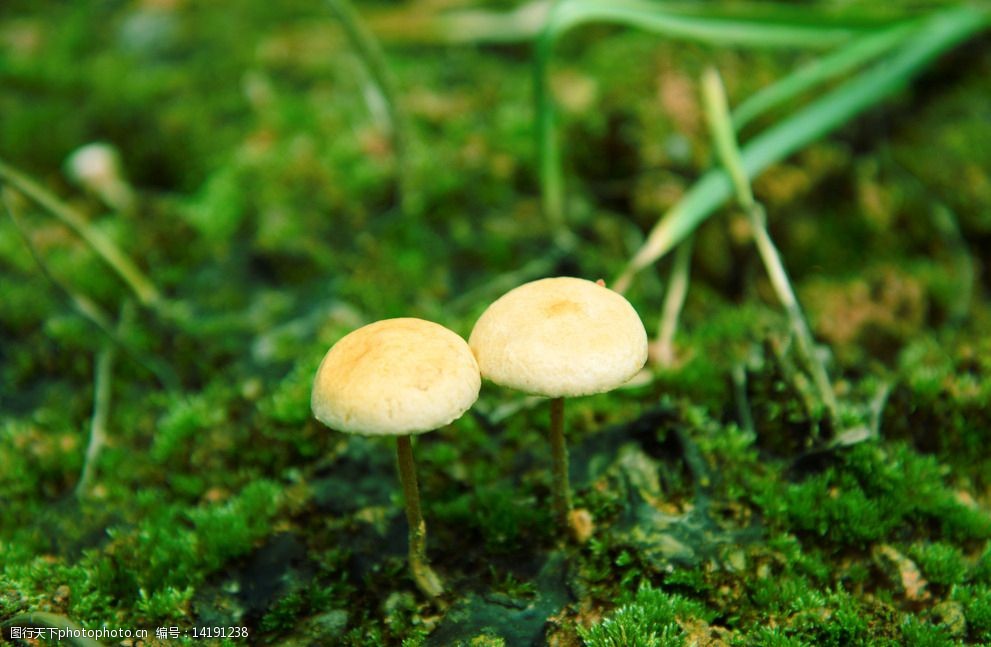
{"x": 560, "y": 337}
{"x": 94, "y": 164}
{"x": 394, "y": 378}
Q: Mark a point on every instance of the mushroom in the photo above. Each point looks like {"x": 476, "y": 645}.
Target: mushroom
{"x": 97, "y": 168}
{"x": 560, "y": 337}
{"x": 398, "y": 377}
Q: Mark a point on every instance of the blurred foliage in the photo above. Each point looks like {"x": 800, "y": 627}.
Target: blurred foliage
{"x": 268, "y": 214}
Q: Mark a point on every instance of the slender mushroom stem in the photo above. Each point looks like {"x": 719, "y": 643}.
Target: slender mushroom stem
{"x": 559, "y": 457}
{"x": 423, "y": 575}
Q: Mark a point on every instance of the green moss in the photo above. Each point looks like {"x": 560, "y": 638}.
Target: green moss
{"x": 946, "y": 389}
{"x": 837, "y": 619}
{"x": 283, "y": 615}
{"x": 941, "y": 563}
{"x": 982, "y": 569}
{"x": 918, "y": 633}
{"x": 874, "y": 494}
{"x": 652, "y": 618}
{"x": 153, "y": 569}
{"x": 219, "y": 208}
{"x": 977, "y": 609}
{"x": 771, "y": 637}
{"x": 503, "y": 519}
{"x": 289, "y": 402}
{"x": 165, "y": 606}
{"x": 182, "y": 423}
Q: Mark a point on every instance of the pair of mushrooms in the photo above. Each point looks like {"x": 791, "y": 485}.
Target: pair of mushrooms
{"x": 553, "y": 337}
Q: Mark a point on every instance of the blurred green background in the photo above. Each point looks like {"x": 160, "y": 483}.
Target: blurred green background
{"x": 278, "y": 196}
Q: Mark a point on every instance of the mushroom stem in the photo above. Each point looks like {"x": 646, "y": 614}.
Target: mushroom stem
{"x": 559, "y": 457}
{"x": 423, "y": 575}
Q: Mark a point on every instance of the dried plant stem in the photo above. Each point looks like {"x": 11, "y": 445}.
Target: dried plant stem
{"x": 717, "y": 115}
{"x": 743, "y": 412}
{"x": 102, "y": 379}
{"x": 779, "y": 279}
{"x": 423, "y": 575}
{"x": 674, "y": 300}
{"x": 106, "y": 248}
{"x": 102, "y": 388}
{"x": 559, "y": 459}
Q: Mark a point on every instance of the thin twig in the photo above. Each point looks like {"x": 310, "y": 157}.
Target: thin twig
{"x": 102, "y": 389}
{"x": 102, "y": 378}
{"x": 779, "y": 279}
{"x": 674, "y": 300}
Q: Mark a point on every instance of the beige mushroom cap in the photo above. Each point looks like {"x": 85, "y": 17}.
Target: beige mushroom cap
{"x": 560, "y": 337}
{"x": 395, "y": 377}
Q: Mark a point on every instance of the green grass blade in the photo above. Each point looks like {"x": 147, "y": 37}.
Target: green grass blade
{"x": 720, "y": 125}
{"x": 656, "y": 17}
{"x": 721, "y": 128}
{"x": 674, "y": 301}
{"x": 479, "y": 25}
{"x": 652, "y": 16}
{"x": 526, "y": 22}
{"x": 852, "y": 16}
{"x": 833, "y": 65}
{"x": 937, "y": 34}
{"x": 86, "y": 306}
{"x": 106, "y": 248}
